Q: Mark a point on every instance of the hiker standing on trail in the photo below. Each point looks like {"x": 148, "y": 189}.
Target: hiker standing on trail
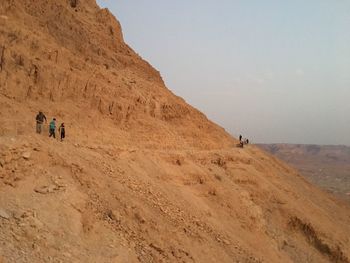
{"x": 62, "y": 131}
{"x": 53, "y": 128}
{"x": 40, "y": 117}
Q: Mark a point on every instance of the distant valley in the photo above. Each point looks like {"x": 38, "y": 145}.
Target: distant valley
{"x": 325, "y": 166}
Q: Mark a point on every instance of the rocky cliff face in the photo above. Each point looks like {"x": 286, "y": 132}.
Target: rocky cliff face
{"x": 141, "y": 176}
{"x": 62, "y": 53}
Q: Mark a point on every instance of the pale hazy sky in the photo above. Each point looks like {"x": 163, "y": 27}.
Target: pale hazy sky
{"x": 275, "y": 71}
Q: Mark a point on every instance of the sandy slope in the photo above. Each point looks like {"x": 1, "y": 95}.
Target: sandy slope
{"x": 142, "y": 176}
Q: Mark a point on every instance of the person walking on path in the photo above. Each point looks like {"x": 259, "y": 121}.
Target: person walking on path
{"x": 62, "y": 131}
{"x": 40, "y": 118}
{"x": 53, "y": 128}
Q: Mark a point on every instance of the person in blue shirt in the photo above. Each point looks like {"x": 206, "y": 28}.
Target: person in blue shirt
{"x": 52, "y": 129}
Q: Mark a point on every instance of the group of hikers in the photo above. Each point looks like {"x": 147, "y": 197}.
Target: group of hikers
{"x": 41, "y": 118}
{"x": 242, "y": 142}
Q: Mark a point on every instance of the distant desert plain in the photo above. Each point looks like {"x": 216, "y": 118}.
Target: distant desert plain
{"x": 325, "y": 166}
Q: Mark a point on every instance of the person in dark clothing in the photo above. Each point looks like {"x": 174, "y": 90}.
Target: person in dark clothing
{"x": 40, "y": 118}
{"x": 62, "y": 131}
{"x": 240, "y": 138}
{"x": 53, "y": 128}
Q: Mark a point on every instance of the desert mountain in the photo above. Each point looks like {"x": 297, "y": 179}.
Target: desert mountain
{"x": 325, "y": 165}
{"x": 142, "y": 176}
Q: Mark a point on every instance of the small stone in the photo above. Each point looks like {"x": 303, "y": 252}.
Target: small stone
{"x": 139, "y": 218}
{"x": 42, "y": 189}
{"x": 4, "y": 214}
{"x": 114, "y": 215}
{"x": 157, "y": 248}
{"x": 26, "y": 155}
{"x": 226, "y": 242}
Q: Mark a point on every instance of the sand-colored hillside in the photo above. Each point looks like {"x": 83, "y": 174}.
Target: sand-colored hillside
{"x": 141, "y": 176}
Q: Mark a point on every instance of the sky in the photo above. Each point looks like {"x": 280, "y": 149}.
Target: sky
{"x": 274, "y": 71}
